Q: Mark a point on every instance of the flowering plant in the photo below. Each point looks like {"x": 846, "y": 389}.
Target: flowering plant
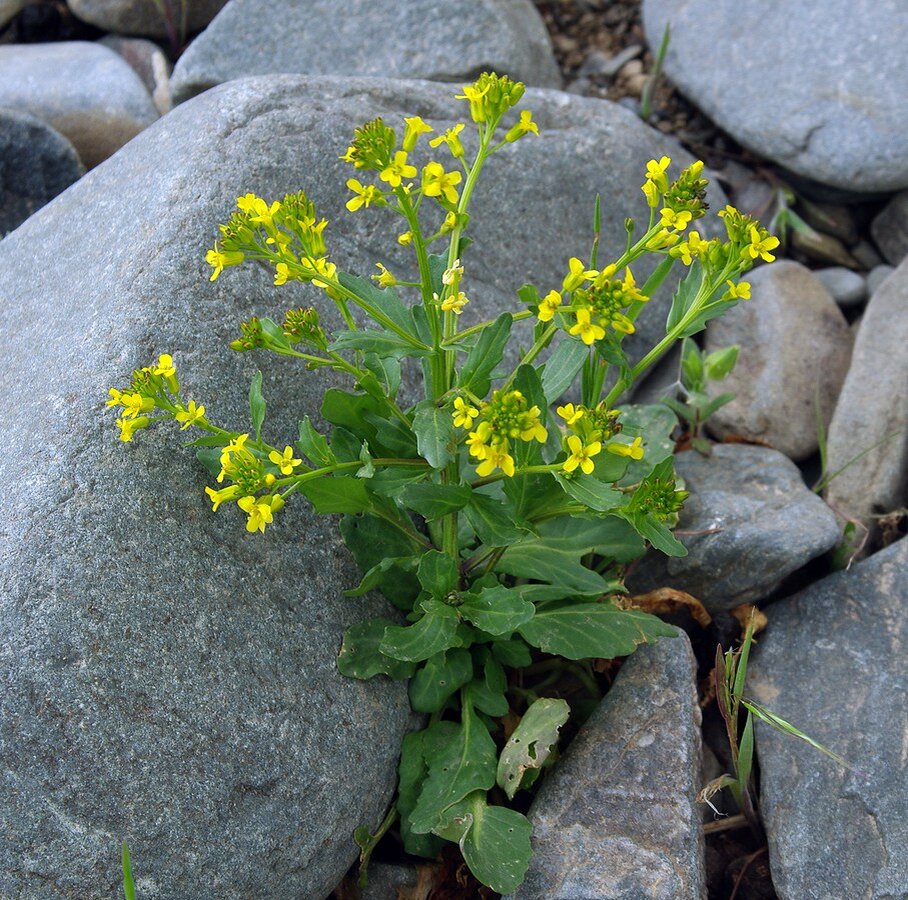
{"x": 498, "y": 529}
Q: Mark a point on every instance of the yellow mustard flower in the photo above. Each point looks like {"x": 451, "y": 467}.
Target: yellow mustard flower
{"x": 405, "y": 239}
{"x": 384, "y": 277}
{"x": 464, "y": 413}
{"x": 497, "y": 457}
{"x": 693, "y": 248}
{"x": 397, "y": 170}
{"x": 366, "y": 194}
{"x": 165, "y": 367}
{"x": 414, "y": 128}
{"x": 453, "y": 274}
{"x": 588, "y": 331}
{"x": 438, "y": 183}
{"x": 739, "y": 291}
{"x": 115, "y": 398}
{"x": 577, "y": 274}
{"x": 651, "y": 192}
{"x": 220, "y": 259}
{"x": 222, "y": 496}
{"x": 656, "y": 172}
{"x": 548, "y": 306}
{"x": 285, "y": 461}
{"x": 451, "y": 138}
{"x": 281, "y": 273}
{"x": 190, "y": 414}
{"x": 260, "y": 512}
{"x": 455, "y": 303}
{"x": 532, "y": 428}
{"x": 672, "y": 219}
{"x": 634, "y": 450}
{"x": 478, "y": 441}
{"x": 570, "y": 413}
{"x": 135, "y": 403}
{"x": 759, "y": 246}
{"x": 524, "y": 125}
{"x": 581, "y": 455}
{"x": 128, "y": 427}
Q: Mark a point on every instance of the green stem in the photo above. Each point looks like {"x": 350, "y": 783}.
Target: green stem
{"x": 531, "y": 354}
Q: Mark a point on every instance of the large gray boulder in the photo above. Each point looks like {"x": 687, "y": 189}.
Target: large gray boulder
{"x": 84, "y": 90}
{"x": 146, "y": 17}
{"x": 440, "y": 40}
{"x": 832, "y": 662}
{"x": 617, "y": 818}
{"x": 795, "y": 348}
{"x": 821, "y": 88}
{"x": 749, "y": 522}
{"x": 168, "y": 678}
{"x": 868, "y": 436}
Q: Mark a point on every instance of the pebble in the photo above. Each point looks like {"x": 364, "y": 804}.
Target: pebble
{"x": 145, "y": 17}
{"x": 748, "y": 524}
{"x": 890, "y": 229}
{"x": 82, "y": 89}
{"x": 832, "y": 663}
{"x": 795, "y": 347}
{"x": 866, "y": 254}
{"x": 149, "y": 62}
{"x": 601, "y": 64}
{"x": 847, "y": 287}
{"x": 876, "y": 276}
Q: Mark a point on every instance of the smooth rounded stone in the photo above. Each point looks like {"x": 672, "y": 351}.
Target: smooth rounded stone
{"x": 85, "y": 91}
{"x": 748, "y": 523}
{"x": 386, "y": 878}
{"x": 890, "y": 229}
{"x": 846, "y": 287}
{"x": 439, "y": 40}
{"x": 145, "y": 17}
{"x": 795, "y": 347}
{"x": 832, "y": 662}
{"x": 792, "y": 84}
{"x": 9, "y": 9}
{"x": 876, "y": 276}
{"x": 235, "y": 759}
{"x": 36, "y": 164}
{"x": 149, "y": 62}
{"x": 617, "y": 817}
{"x": 865, "y": 254}
{"x": 873, "y": 409}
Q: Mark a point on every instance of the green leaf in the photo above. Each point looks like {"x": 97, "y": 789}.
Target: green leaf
{"x": 655, "y": 424}
{"x": 588, "y": 490}
{"x": 434, "y": 632}
{"x": 276, "y": 336}
{"x": 382, "y": 343}
{"x": 494, "y": 840}
{"x": 349, "y": 411}
{"x": 719, "y": 363}
{"x": 513, "y": 653}
{"x": 256, "y": 405}
{"x": 656, "y": 532}
{"x": 386, "y": 371}
{"x": 345, "y": 445}
{"x": 391, "y": 481}
{"x": 384, "y": 299}
{"x": 393, "y": 568}
{"x": 529, "y": 294}
{"x": 487, "y": 694}
{"x": 360, "y": 656}
{"x": 432, "y": 501}
{"x": 685, "y": 295}
{"x": 716, "y": 404}
{"x": 129, "y": 887}
{"x": 441, "y": 676}
{"x": 210, "y": 458}
{"x": 461, "y": 759}
{"x": 746, "y": 751}
{"x": 438, "y": 573}
{"x": 392, "y": 436}
{"x": 434, "y": 430}
{"x": 412, "y": 772}
{"x": 337, "y": 494}
{"x": 493, "y": 524}
{"x": 692, "y": 371}
{"x": 531, "y": 742}
{"x": 365, "y": 457}
{"x": 485, "y": 356}
{"x": 562, "y": 367}
{"x": 313, "y": 445}
{"x": 496, "y": 610}
{"x": 591, "y": 630}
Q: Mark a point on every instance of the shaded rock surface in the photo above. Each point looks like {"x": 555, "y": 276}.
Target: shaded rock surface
{"x": 846, "y": 287}
{"x": 832, "y": 662}
{"x": 149, "y": 62}
{"x": 9, "y": 9}
{"x": 36, "y": 164}
{"x": 617, "y": 818}
{"x": 767, "y": 526}
{"x": 890, "y": 229}
{"x": 386, "y": 878}
{"x": 440, "y": 40}
{"x": 795, "y": 347}
{"x": 145, "y": 17}
{"x": 789, "y": 82}
{"x": 84, "y": 90}
{"x": 873, "y": 407}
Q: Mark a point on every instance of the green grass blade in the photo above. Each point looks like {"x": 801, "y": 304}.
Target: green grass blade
{"x": 129, "y": 887}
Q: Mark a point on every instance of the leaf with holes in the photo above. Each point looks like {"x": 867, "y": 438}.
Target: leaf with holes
{"x": 531, "y": 743}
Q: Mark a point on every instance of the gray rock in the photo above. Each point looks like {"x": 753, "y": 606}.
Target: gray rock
{"x": 386, "y": 878}
{"x": 866, "y": 254}
{"x": 36, "y": 164}
{"x": 441, "y": 40}
{"x": 149, "y": 62}
{"x": 617, "y": 818}
{"x": 144, "y": 17}
{"x": 876, "y": 276}
{"x": 792, "y": 84}
{"x": 212, "y": 728}
{"x": 832, "y": 663}
{"x": 85, "y": 91}
{"x": 9, "y": 9}
{"x": 847, "y": 288}
{"x": 601, "y": 65}
{"x": 767, "y": 525}
{"x": 874, "y": 405}
{"x": 890, "y": 229}
{"x": 795, "y": 348}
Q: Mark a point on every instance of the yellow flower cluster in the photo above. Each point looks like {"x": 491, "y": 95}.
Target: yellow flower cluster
{"x": 505, "y": 418}
{"x": 593, "y": 430}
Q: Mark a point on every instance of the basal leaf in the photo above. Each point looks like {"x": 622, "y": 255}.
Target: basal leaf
{"x": 434, "y": 429}
{"x": 393, "y": 568}
{"x": 441, "y": 676}
{"x": 494, "y": 525}
{"x": 496, "y": 610}
{"x": 337, "y": 494}
{"x": 360, "y": 656}
{"x": 438, "y": 573}
{"x": 531, "y": 743}
{"x": 432, "y": 501}
{"x": 412, "y": 771}
{"x": 434, "y": 632}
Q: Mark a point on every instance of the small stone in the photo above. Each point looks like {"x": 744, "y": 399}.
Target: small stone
{"x": 866, "y": 254}
{"x": 450, "y": 41}
{"x": 748, "y": 523}
{"x": 145, "y": 17}
{"x": 601, "y": 64}
{"x": 873, "y": 409}
{"x": 890, "y": 229}
{"x": 795, "y": 347}
{"x": 634, "y": 67}
{"x": 847, "y": 287}
{"x": 36, "y": 164}
{"x": 386, "y": 879}
{"x": 617, "y": 817}
{"x": 832, "y": 663}
{"x": 149, "y": 62}
{"x": 9, "y": 9}
{"x": 84, "y": 90}
{"x": 876, "y": 276}
{"x": 636, "y": 84}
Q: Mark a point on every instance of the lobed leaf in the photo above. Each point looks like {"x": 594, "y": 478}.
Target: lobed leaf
{"x": 531, "y": 743}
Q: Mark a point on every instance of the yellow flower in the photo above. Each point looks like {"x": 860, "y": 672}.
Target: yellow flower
{"x": 285, "y": 461}
{"x": 662, "y": 239}
{"x": 478, "y": 441}
{"x": 405, "y": 239}
{"x": 398, "y": 170}
{"x": 651, "y": 192}
{"x": 655, "y": 172}
{"x": 693, "y": 248}
{"x": 437, "y": 183}
{"x": 453, "y": 274}
{"x": 165, "y": 366}
{"x": 633, "y": 450}
{"x": 450, "y": 137}
{"x": 414, "y": 128}
{"x": 587, "y": 330}
{"x": 320, "y": 267}
{"x": 581, "y": 455}
{"x": 128, "y": 427}
{"x": 464, "y": 413}
{"x": 133, "y": 404}
{"x": 115, "y": 396}
{"x": 548, "y": 306}
{"x": 497, "y": 457}
{"x": 220, "y": 259}
{"x": 524, "y": 125}
{"x": 677, "y": 220}
{"x": 260, "y": 512}
{"x": 576, "y": 274}
{"x": 223, "y": 495}
{"x": 281, "y": 273}
{"x": 570, "y": 413}
{"x": 739, "y": 291}
{"x": 365, "y": 194}
{"x": 455, "y": 303}
{"x": 533, "y": 428}
{"x": 384, "y": 278}
{"x": 760, "y": 247}
{"x": 190, "y": 414}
